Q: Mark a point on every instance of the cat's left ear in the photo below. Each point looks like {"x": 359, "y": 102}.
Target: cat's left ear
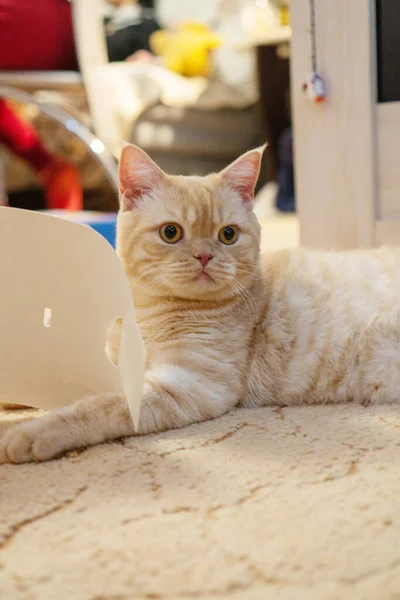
{"x": 242, "y": 174}
{"x": 138, "y": 175}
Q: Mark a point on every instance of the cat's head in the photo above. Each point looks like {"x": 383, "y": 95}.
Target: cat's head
{"x": 191, "y": 237}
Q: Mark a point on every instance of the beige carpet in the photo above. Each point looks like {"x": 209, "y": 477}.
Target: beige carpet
{"x": 295, "y": 504}
{"x": 300, "y": 503}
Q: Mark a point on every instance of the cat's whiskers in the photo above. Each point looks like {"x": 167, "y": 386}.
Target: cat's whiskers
{"x": 238, "y": 292}
{"x": 144, "y": 273}
{"x": 163, "y": 277}
{"x": 182, "y": 265}
{"x": 243, "y": 292}
{"x": 249, "y": 273}
{"x": 244, "y": 268}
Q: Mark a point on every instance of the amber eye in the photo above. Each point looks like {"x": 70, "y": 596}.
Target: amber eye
{"x": 228, "y": 235}
{"x": 171, "y": 233}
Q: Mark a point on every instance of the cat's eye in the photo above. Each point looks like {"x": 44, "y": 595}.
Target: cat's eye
{"x": 171, "y": 233}
{"x": 228, "y": 235}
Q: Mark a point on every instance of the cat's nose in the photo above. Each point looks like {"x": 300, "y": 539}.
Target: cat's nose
{"x": 204, "y": 258}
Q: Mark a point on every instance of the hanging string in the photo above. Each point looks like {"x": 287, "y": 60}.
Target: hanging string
{"x": 314, "y": 86}
{"x": 313, "y": 37}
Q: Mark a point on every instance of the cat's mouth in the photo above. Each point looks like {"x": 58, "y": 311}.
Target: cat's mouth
{"x": 204, "y": 276}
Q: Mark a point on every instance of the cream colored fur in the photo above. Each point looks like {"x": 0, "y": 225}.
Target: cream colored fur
{"x": 288, "y": 328}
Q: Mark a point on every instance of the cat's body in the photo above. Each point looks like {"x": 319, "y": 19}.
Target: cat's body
{"x": 314, "y": 327}
{"x": 224, "y": 327}
{"x": 329, "y": 330}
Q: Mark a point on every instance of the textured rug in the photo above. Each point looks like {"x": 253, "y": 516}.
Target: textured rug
{"x": 296, "y": 503}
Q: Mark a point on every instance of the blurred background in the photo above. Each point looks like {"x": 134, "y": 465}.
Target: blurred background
{"x": 194, "y": 84}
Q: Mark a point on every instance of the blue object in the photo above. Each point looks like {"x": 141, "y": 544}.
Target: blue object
{"x": 285, "y": 201}
{"x": 106, "y": 228}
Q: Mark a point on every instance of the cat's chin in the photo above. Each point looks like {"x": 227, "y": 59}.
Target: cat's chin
{"x": 204, "y": 278}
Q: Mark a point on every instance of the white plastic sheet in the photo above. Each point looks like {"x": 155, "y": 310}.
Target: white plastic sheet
{"x": 62, "y": 288}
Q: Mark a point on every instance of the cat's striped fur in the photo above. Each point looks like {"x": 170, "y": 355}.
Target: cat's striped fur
{"x": 286, "y": 328}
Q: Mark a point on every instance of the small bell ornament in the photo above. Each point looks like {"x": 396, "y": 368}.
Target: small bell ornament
{"x": 315, "y": 88}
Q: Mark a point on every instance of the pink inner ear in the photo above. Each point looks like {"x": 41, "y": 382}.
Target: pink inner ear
{"x": 138, "y": 175}
{"x": 243, "y": 174}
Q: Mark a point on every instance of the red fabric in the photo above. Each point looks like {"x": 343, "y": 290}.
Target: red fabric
{"x": 63, "y": 188}
{"x": 21, "y": 138}
{"x": 62, "y": 185}
{"x": 36, "y": 35}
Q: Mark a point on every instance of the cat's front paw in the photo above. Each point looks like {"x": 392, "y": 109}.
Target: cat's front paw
{"x": 33, "y": 441}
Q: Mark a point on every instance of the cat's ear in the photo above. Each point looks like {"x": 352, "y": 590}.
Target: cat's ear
{"x": 138, "y": 175}
{"x": 243, "y": 173}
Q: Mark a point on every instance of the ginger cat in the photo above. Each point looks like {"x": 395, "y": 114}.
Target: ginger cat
{"x": 224, "y": 326}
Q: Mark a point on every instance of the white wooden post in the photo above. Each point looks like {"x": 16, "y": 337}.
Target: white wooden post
{"x": 334, "y": 144}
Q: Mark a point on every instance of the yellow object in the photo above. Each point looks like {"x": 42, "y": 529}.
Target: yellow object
{"x": 285, "y": 16}
{"x": 186, "y": 50}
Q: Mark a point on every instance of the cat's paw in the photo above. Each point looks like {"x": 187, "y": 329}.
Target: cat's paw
{"x": 34, "y": 441}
